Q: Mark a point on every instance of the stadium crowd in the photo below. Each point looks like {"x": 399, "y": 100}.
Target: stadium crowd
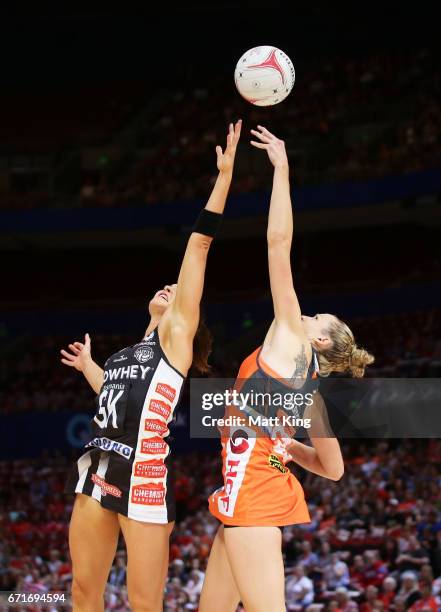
{"x": 374, "y": 542}
{"x": 341, "y": 124}
{"x": 331, "y": 99}
{"x": 411, "y": 348}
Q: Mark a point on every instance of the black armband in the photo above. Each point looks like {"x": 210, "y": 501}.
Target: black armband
{"x": 208, "y": 223}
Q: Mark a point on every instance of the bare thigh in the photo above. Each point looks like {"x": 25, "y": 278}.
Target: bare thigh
{"x": 147, "y": 562}
{"x": 93, "y": 538}
{"x": 219, "y": 593}
{"x": 255, "y": 556}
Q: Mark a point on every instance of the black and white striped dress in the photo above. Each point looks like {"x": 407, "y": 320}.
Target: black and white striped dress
{"x": 125, "y": 467}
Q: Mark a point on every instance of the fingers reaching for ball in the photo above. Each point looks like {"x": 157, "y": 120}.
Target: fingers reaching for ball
{"x": 263, "y": 134}
{"x": 273, "y": 145}
{"x": 225, "y": 160}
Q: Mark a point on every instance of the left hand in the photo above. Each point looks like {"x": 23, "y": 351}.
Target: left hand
{"x": 282, "y": 436}
{"x": 281, "y": 448}
{"x": 225, "y": 160}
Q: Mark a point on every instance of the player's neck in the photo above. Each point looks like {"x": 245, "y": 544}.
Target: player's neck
{"x": 153, "y": 324}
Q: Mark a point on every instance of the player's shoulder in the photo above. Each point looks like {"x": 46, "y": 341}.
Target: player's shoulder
{"x": 119, "y": 357}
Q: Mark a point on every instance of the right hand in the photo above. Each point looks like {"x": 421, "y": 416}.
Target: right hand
{"x": 273, "y": 145}
{"x": 225, "y": 159}
{"x": 79, "y": 356}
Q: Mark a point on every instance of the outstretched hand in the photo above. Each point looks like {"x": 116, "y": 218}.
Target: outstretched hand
{"x": 225, "y": 160}
{"x": 273, "y": 146}
{"x": 79, "y": 355}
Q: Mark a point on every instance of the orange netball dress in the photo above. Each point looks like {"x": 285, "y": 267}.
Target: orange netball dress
{"x": 258, "y": 488}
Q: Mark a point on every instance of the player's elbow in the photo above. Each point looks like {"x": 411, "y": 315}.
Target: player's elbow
{"x": 278, "y": 238}
{"x": 200, "y": 243}
{"x": 336, "y": 473}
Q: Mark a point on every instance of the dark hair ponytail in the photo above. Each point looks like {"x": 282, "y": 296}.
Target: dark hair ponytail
{"x": 202, "y": 343}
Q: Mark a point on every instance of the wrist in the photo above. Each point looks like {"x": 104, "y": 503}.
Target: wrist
{"x": 226, "y": 175}
{"x": 290, "y": 447}
{"x": 208, "y": 222}
{"x": 86, "y": 363}
{"x": 282, "y": 166}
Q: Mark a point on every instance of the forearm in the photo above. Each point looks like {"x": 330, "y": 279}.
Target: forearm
{"x": 192, "y": 272}
{"x": 280, "y": 219}
{"x": 307, "y": 457}
{"x": 324, "y": 461}
{"x": 94, "y": 375}
{"x": 218, "y": 197}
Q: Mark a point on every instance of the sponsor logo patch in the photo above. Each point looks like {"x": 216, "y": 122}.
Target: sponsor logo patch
{"x": 238, "y": 442}
{"x": 239, "y": 449}
{"x": 110, "y": 445}
{"x": 150, "y": 494}
{"x": 156, "y": 426}
{"x": 143, "y": 354}
{"x": 153, "y": 446}
{"x": 131, "y": 371}
{"x": 160, "y": 407}
{"x": 275, "y": 462}
{"x": 166, "y": 391}
{"x": 106, "y": 488}
{"x": 122, "y": 358}
{"x": 147, "y": 340}
{"x": 155, "y": 468}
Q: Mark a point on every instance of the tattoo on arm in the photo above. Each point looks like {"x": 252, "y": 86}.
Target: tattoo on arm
{"x": 301, "y": 368}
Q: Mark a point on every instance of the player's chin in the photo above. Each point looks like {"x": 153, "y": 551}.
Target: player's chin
{"x": 158, "y": 306}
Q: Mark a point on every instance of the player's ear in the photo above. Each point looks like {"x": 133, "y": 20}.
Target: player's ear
{"x": 322, "y": 343}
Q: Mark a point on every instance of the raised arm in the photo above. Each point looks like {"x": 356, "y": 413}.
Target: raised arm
{"x": 279, "y": 233}
{"x": 179, "y": 326}
{"x": 80, "y": 358}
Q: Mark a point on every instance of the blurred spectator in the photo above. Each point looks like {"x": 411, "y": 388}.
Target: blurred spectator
{"x": 338, "y": 574}
{"x": 299, "y": 589}
{"x": 372, "y": 601}
{"x": 427, "y": 601}
{"x": 409, "y": 593}
{"x": 344, "y": 601}
{"x": 413, "y": 557}
{"x": 388, "y": 592}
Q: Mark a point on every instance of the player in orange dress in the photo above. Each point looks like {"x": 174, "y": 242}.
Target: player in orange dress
{"x": 260, "y": 494}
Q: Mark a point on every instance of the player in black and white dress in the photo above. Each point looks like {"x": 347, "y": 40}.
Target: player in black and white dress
{"x": 122, "y": 481}
{"x": 126, "y": 465}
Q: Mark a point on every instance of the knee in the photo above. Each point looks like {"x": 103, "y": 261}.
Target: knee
{"x": 140, "y": 602}
{"x": 85, "y": 591}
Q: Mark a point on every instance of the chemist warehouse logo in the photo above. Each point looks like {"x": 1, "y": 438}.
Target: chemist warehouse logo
{"x": 156, "y": 426}
{"x": 154, "y": 446}
{"x": 161, "y": 408}
{"x": 150, "y": 469}
{"x": 166, "y": 391}
{"x": 150, "y": 494}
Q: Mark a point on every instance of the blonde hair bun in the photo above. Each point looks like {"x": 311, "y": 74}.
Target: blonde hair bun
{"x": 359, "y": 359}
